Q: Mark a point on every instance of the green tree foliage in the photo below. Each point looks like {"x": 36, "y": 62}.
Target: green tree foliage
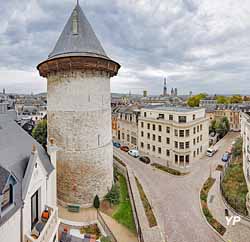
{"x": 194, "y": 101}
{"x": 222, "y": 100}
{"x": 220, "y": 126}
{"x": 106, "y": 239}
{"x": 96, "y": 203}
{"x": 236, "y": 99}
{"x": 40, "y": 133}
{"x": 237, "y": 148}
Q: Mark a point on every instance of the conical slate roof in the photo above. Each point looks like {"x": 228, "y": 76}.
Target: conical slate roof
{"x": 78, "y": 38}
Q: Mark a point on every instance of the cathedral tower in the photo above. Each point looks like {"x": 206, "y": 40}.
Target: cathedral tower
{"x": 78, "y": 72}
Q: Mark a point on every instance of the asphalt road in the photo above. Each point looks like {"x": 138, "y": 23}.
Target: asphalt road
{"x": 175, "y": 200}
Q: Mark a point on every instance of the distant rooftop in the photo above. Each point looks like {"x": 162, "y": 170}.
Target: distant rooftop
{"x": 173, "y": 108}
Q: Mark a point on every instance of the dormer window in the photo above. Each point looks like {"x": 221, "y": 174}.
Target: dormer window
{"x": 7, "y": 197}
{"x": 75, "y": 22}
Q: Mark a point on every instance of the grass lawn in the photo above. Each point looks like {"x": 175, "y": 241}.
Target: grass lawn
{"x": 235, "y": 188}
{"x": 168, "y": 169}
{"x": 123, "y": 211}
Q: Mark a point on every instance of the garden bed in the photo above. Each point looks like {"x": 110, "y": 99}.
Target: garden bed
{"x": 168, "y": 170}
{"x": 147, "y": 207}
{"x": 209, "y": 217}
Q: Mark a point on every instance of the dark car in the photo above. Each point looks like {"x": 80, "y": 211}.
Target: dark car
{"x": 124, "y": 148}
{"x": 145, "y": 159}
{"x": 225, "y": 157}
{"x": 116, "y": 144}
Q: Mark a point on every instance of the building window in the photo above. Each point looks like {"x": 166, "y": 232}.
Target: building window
{"x": 153, "y": 148}
{"x": 34, "y": 209}
{"x": 142, "y": 145}
{"x": 7, "y": 199}
{"x": 159, "y": 150}
{"x": 197, "y": 151}
{"x": 148, "y": 126}
{"x": 168, "y": 130}
{"x": 159, "y": 128}
{"x": 194, "y": 154}
{"x": 187, "y": 145}
{"x": 142, "y": 133}
{"x": 168, "y": 140}
{"x": 182, "y": 119}
{"x": 153, "y": 127}
{"x": 133, "y": 140}
{"x": 187, "y": 159}
{"x": 198, "y": 139}
{"x": 181, "y": 133}
{"x": 201, "y": 137}
{"x": 148, "y": 135}
{"x": 187, "y": 132}
{"x": 145, "y": 114}
{"x": 161, "y": 116}
{"x": 171, "y": 117}
{"x": 142, "y": 124}
{"x": 181, "y": 158}
{"x": 148, "y": 146}
{"x": 181, "y": 145}
{"x": 176, "y": 159}
{"x": 168, "y": 152}
{"x": 176, "y": 132}
{"x": 176, "y": 144}
{"x": 193, "y": 141}
{"x": 159, "y": 138}
{"x": 200, "y": 127}
{"x": 200, "y": 149}
{"x": 119, "y": 134}
{"x": 123, "y": 136}
{"x": 154, "y": 137}
{"x": 194, "y": 130}
{"x": 128, "y": 138}
{"x": 193, "y": 116}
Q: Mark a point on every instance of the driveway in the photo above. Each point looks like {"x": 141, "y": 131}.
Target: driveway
{"x": 175, "y": 200}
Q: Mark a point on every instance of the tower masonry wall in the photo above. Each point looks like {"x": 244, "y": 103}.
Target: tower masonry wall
{"x": 79, "y": 119}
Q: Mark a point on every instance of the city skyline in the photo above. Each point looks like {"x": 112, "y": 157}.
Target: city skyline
{"x": 194, "y": 43}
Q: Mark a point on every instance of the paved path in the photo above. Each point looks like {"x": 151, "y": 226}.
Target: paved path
{"x": 176, "y": 199}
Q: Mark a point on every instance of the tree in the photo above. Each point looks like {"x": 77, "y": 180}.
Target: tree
{"x": 194, "y": 101}
{"x": 222, "y": 100}
{"x": 96, "y": 203}
{"x": 40, "y": 133}
{"x": 236, "y": 99}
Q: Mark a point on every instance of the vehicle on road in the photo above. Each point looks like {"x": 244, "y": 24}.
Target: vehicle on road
{"x": 211, "y": 151}
{"x": 134, "y": 153}
{"x": 116, "y": 144}
{"x": 225, "y": 157}
{"x": 145, "y": 159}
{"x": 124, "y": 148}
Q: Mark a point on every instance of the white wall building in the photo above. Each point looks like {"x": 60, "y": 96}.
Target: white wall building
{"x": 245, "y": 133}
{"x": 178, "y": 135}
{"x": 27, "y": 187}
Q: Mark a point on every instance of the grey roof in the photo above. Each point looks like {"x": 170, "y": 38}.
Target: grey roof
{"x": 4, "y": 176}
{"x": 173, "y": 108}
{"x": 81, "y": 43}
{"x": 16, "y": 157}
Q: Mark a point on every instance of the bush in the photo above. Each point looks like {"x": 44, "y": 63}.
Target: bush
{"x": 105, "y": 239}
{"x": 96, "y": 202}
{"x": 113, "y": 195}
{"x": 40, "y": 133}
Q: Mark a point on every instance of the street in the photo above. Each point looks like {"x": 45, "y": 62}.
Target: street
{"x": 175, "y": 200}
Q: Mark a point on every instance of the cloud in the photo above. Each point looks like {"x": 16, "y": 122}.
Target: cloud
{"x": 200, "y": 45}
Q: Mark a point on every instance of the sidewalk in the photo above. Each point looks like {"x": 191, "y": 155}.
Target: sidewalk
{"x": 240, "y": 232}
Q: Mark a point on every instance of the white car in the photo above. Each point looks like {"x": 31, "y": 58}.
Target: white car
{"x": 134, "y": 153}
{"x": 211, "y": 151}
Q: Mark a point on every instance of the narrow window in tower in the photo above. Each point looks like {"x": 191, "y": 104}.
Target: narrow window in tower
{"x": 89, "y": 98}
{"x": 98, "y": 140}
{"x": 75, "y": 23}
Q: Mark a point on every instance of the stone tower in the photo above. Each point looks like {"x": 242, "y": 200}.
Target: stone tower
{"x": 165, "y": 87}
{"x": 78, "y": 72}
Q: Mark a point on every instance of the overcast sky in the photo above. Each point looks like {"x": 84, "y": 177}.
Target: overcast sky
{"x": 200, "y": 45}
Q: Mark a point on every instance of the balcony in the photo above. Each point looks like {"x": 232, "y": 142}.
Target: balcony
{"x": 49, "y": 229}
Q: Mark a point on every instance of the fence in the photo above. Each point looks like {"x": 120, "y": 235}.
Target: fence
{"x": 235, "y": 204}
{"x": 105, "y": 227}
{"x": 123, "y": 170}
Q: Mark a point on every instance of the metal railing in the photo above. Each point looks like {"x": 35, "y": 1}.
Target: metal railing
{"x": 105, "y": 227}
{"x": 48, "y": 230}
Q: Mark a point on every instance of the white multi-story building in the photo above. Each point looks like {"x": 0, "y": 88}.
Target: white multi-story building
{"x": 178, "y": 135}
{"x": 245, "y": 133}
{"x": 28, "y": 209}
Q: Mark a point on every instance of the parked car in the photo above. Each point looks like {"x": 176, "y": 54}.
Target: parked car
{"x": 211, "y": 151}
{"x": 124, "y": 148}
{"x": 145, "y": 159}
{"x": 134, "y": 153}
{"x": 116, "y": 144}
{"x": 225, "y": 157}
